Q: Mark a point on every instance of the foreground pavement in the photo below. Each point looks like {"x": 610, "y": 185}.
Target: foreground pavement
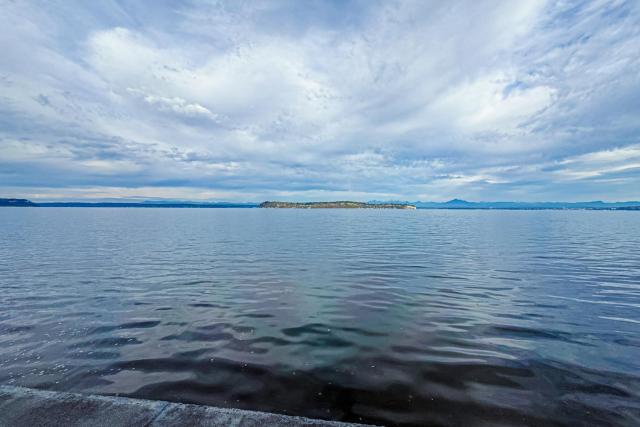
{"x": 21, "y": 406}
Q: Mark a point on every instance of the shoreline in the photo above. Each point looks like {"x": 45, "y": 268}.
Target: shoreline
{"x": 21, "y": 406}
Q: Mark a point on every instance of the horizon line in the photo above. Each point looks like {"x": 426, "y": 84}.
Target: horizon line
{"x": 141, "y": 200}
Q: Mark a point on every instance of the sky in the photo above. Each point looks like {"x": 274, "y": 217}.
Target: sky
{"x": 320, "y": 100}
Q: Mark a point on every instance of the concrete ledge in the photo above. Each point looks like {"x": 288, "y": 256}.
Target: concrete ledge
{"x": 21, "y": 406}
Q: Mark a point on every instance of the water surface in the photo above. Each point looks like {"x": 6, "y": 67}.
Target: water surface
{"x": 391, "y": 317}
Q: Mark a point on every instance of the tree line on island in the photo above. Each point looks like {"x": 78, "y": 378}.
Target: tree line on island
{"x": 335, "y": 205}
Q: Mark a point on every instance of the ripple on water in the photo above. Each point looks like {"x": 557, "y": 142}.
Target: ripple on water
{"x": 399, "y": 318}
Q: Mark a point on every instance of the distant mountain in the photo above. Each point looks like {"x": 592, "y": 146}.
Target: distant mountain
{"x": 463, "y": 204}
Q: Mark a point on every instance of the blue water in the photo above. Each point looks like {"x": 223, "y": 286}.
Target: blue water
{"x": 381, "y": 316}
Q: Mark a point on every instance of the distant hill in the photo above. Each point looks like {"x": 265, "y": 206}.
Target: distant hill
{"x": 463, "y": 204}
{"x": 16, "y": 202}
{"x": 144, "y": 204}
{"x": 335, "y": 205}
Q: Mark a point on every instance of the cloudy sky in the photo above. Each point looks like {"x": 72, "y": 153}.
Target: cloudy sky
{"x": 318, "y": 100}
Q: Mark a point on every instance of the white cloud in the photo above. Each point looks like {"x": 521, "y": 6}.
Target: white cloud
{"x": 175, "y": 105}
{"x": 601, "y": 163}
{"x": 408, "y": 99}
{"x": 485, "y": 105}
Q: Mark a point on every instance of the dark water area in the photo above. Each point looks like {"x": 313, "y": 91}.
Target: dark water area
{"x": 404, "y": 318}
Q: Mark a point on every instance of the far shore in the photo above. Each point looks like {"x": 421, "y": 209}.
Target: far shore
{"x": 454, "y": 204}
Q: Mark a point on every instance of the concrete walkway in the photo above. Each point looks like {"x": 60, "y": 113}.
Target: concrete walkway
{"x": 21, "y": 406}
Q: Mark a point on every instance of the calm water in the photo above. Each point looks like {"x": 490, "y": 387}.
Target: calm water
{"x": 390, "y": 317}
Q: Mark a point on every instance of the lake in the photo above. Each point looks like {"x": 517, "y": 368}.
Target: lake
{"x": 427, "y": 317}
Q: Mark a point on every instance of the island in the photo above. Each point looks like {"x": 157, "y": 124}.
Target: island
{"x": 334, "y": 205}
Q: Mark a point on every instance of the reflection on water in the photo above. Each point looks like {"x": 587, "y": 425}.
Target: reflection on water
{"x": 390, "y": 317}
